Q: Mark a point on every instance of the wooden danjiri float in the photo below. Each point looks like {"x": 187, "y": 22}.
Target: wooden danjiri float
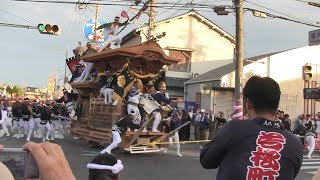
{"x": 142, "y": 62}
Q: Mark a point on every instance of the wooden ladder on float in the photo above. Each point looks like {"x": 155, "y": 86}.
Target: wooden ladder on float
{"x": 94, "y": 102}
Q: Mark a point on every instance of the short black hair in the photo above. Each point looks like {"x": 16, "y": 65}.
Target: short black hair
{"x": 103, "y": 174}
{"x": 286, "y": 116}
{"x": 264, "y": 93}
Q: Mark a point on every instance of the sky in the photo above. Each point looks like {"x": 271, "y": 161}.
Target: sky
{"x": 28, "y": 58}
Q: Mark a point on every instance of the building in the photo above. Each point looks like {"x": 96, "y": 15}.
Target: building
{"x": 35, "y": 93}
{"x": 214, "y": 90}
{"x": 201, "y": 52}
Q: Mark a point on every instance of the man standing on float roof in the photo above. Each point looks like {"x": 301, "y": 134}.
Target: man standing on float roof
{"x": 111, "y": 31}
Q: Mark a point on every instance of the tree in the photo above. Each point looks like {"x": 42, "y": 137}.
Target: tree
{"x": 18, "y": 90}
{"x": 9, "y": 90}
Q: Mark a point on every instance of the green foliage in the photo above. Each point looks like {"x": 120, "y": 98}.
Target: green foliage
{"x": 18, "y": 90}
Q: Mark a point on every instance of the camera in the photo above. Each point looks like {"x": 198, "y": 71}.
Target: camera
{"x": 21, "y": 163}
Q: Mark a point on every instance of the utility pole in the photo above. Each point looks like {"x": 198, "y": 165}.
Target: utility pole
{"x": 96, "y": 22}
{"x": 151, "y": 19}
{"x": 239, "y": 59}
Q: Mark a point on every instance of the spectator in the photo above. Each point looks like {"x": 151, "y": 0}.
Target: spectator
{"x": 212, "y": 125}
{"x": 104, "y": 167}
{"x": 240, "y": 147}
{"x": 277, "y": 116}
{"x": 318, "y": 123}
{"x": 203, "y": 126}
{"x": 281, "y": 117}
{"x": 221, "y": 120}
{"x": 286, "y": 122}
{"x": 184, "y": 132}
{"x": 309, "y": 123}
{"x": 311, "y": 141}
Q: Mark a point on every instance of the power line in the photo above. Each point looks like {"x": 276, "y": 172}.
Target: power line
{"x": 198, "y": 7}
{"x": 15, "y": 16}
{"x": 279, "y": 12}
{"x": 169, "y": 9}
{"x": 18, "y": 26}
{"x": 161, "y": 5}
{"x": 283, "y": 18}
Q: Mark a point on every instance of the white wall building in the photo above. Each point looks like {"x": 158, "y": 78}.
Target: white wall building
{"x": 201, "y": 44}
{"x": 285, "y": 67}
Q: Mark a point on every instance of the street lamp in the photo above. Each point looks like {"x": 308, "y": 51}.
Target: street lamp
{"x": 259, "y": 14}
{"x": 220, "y": 10}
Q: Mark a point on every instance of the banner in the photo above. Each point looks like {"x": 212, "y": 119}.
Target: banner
{"x": 71, "y": 62}
{"x": 156, "y": 80}
{"x": 51, "y": 83}
{"x": 124, "y": 83}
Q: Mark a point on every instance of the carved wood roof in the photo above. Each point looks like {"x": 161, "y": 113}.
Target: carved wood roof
{"x": 148, "y": 51}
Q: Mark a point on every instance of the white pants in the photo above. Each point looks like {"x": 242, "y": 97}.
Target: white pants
{"x": 86, "y": 73}
{"x": 311, "y": 143}
{"x": 36, "y": 129}
{"x": 116, "y": 139}
{"x": 63, "y": 124}
{"x": 28, "y": 127}
{"x": 137, "y": 118}
{"x": 36, "y": 123}
{"x": 55, "y": 125}
{"x": 111, "y": 38}
{"x": 8, "y": 122}
{"x": 43, "y": 128}
{"x": 17, "y": 125}
{"x": 175, "y": 138}
{"x": 107, "y": 93}
{"x": 4, "y": 126}
{"x": 156, "y": 122}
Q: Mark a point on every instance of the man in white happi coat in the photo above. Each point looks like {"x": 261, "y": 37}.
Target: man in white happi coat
{"x": 111, "y": 31}
{"x": 133, "y": 102}
{"x": 107, "y": 83}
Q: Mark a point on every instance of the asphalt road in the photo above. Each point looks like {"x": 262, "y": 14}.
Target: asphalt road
{"x": 153, "y": 166}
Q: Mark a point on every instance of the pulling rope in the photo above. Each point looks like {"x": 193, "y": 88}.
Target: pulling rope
{"x": 180, "y": 142}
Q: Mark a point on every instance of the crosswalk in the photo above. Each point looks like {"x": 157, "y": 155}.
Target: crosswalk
{"x": 311, "y": 166}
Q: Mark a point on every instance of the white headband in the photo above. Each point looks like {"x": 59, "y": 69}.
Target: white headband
{"x": 115, "y": 168}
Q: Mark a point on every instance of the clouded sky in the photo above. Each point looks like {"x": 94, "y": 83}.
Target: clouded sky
{"x": 28, "y": 57}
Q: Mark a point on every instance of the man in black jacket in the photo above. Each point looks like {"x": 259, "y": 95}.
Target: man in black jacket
{"x": 203, "y": 126}
{"x": 67, "y": 99}
{"x": 28, "y": 122}
{"x": 259, "y": 148}
{"x": 45, "y": 123}
{"x": 121, "y": 125}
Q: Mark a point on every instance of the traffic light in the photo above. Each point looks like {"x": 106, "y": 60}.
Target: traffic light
{"x": 49, "y": 29}
{"x": 306, "y": 72}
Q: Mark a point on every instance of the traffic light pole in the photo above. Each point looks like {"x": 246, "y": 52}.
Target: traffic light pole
{"x": 239, "y": 56}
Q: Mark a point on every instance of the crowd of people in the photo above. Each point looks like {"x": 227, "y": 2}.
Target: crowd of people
{"x": 259, "y": 148}
{"x": 34, "y": 118}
